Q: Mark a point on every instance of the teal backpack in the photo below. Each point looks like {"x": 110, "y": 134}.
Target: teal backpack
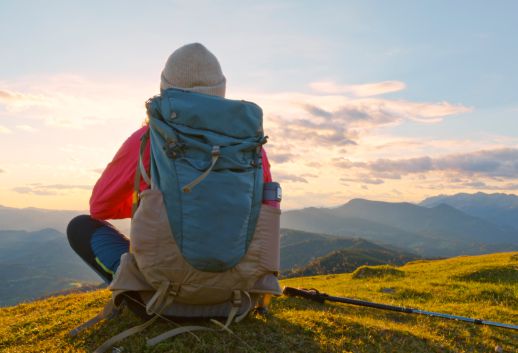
{"x": 206, "y": 160}
{"x": 202, "y": 243}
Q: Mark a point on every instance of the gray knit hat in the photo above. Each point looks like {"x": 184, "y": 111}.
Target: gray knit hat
{"x": 194, "y": 68}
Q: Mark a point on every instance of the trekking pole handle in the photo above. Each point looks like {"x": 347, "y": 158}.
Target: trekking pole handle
{"x": 311, "y": 294}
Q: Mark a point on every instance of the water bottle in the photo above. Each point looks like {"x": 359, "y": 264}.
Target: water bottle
{"x": 272, "y": 194}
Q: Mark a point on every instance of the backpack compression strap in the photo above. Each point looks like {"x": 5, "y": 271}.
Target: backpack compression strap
{"x": 215, "y": 155}
{"x": 160, "y": 301}
{"x": 232, "y": 316}
{"x": 140, "y": 172}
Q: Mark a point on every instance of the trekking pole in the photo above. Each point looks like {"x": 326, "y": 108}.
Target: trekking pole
{"x": 315, "y": 295}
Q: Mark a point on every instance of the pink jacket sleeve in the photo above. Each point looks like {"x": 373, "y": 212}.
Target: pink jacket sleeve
{"x": 267, "y": 175}
{"x": 112, "y": 194}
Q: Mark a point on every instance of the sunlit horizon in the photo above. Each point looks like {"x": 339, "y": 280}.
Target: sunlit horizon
{"x": 364, "y": 103}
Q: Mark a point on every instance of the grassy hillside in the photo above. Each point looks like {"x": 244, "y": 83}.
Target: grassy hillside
{"x": 299, "y": 248}
{"x": 480, "y": 286}
{"x": 348, "y": 260}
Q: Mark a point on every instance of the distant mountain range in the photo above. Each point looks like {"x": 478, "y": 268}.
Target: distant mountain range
{"x": 499, "y": 209}
{"x": 36, "y": 260}
{"x": 439, "y": 231}
{"x": 35, "y": 264}
{"x": 34, "y": 219}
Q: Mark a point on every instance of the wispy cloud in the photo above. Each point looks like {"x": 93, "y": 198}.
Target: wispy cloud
{"x": 71, "y": 101}
{"x": 496, "y": 163}
{"x": 66, "y": 187}
{"x": 21, "y": 99}
{"x": 279, "y": 152}
{"x": 361, "y": 90}
{"x": 280, "y": 157}
{"x": 365, "y": 179}
{"x": 473, "y": 185}
{"x": 323, "y": 125}
{"x": 369, "y": 113}
{"x": 282, "y": 176}
{"x": 4, "y": 130}
{"x": 25, "y": 128}
{"x": 52, "y": 189}
{"x": 33, "y": 191}
{"x": 312, "y": 132}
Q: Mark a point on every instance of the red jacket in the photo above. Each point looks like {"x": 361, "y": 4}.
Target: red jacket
{"x": 112, "y": 194}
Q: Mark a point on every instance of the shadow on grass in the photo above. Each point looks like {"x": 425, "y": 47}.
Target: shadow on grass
{"x": 297, "y": 325}
{"x": 499, "y": 274}
{"x": 355, "y": 329}
{"x": 257, "y": 333}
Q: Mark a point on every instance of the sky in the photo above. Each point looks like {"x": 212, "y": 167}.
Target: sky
{"x": 384, "y": 100}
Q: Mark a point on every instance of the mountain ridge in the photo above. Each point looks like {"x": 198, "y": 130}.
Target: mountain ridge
{"x": 35, "y": 264}
{"x": 439, "y": 231}
{"x": 497, "y": 208}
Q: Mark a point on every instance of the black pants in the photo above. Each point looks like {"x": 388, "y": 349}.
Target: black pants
{"x": 79, "y": 232}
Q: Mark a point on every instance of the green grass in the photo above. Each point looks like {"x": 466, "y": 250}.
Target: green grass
{"x": 478, "y": 286}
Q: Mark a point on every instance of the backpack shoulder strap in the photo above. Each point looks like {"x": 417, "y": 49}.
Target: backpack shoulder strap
{"x": 140, "y": 172}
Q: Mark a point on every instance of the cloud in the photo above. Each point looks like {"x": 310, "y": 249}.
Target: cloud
{"x": 361, "y": 90}
{"x": 495, "y": 163}
{"x": 2, "y": 171}
{"x": 281, "y": 176}
{"x": 321, "y": 129}
{"x": 34, "y": 191}
{"x": 45, "y": 190}
{"x": 314, "y": 164}
{"x": 332, "y": 122}
{"x": 4, "y": 130}
{"x": 399, "y": 144}
{"x": 280, "y": 152}
{"x": 366, "y": 114}
{"x": 309, "y": 175}
{"x": 15, "y": 101}
{"x": 280, "y": 158}
{"x": 67, "y": 187}
{"x": 365, "y": 179}
{"x": 316, "y": 111}
{"x": 474, "y": 185}
{"x": 4, "y": 95}
{"x": 312, "y": 132}
{"x": 25, "y": 128}
{"x": 71, "y": 101}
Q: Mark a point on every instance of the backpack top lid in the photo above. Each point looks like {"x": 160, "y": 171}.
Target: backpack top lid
{"x": 233, "y": 118}
{"x": 212, "y": 223}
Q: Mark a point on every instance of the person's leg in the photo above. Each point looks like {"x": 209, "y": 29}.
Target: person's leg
{"x": 100, "y": 245}
{"x": 108, "y": 245}
{"x": 84, "y": 231}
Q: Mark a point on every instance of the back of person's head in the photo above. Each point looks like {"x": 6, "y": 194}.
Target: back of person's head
{"x": 194, "y": 68}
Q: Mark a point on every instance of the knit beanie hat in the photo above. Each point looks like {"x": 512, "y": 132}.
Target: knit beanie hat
{"x": 193, "y": 68}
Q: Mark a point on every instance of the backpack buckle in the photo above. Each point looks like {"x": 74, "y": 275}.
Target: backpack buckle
{"x": 172, "y": 148}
